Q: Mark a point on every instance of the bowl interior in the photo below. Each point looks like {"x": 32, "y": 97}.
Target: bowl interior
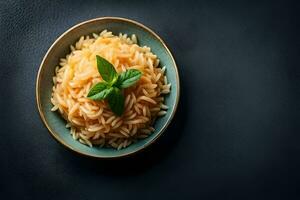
{"x": 53, "y": 120}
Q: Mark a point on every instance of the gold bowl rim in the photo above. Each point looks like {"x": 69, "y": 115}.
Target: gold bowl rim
{"x": 39, "y": 106}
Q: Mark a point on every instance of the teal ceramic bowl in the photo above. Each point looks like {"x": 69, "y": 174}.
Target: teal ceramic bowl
{"x": 56, "y": 124}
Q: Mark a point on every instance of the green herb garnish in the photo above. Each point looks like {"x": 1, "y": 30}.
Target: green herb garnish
{"x": 111, "y": 87}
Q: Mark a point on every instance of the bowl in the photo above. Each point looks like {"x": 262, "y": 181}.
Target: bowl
{"x": 60, "y": 48}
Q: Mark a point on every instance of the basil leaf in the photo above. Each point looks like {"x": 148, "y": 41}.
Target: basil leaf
{"x": 116, "y": 101}
{"x": 99, "y": 91}
{"x": 106, "y": 70}
{"x": 111, "y": 88}
{"x": 128, "y": 78}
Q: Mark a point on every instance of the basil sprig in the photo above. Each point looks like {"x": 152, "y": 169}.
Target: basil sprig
{"x": 111, "y": 88}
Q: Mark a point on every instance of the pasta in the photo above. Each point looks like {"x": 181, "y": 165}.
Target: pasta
{"x": 92, "y": 122}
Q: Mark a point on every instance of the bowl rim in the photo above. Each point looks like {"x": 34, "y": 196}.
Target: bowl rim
{"x": 38, "y": 80}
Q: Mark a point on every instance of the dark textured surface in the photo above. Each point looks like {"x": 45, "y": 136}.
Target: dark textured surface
{"x": 236, "y": 132}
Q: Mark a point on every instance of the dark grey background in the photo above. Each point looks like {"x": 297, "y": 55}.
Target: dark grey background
{"x": 236, "y": 132}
